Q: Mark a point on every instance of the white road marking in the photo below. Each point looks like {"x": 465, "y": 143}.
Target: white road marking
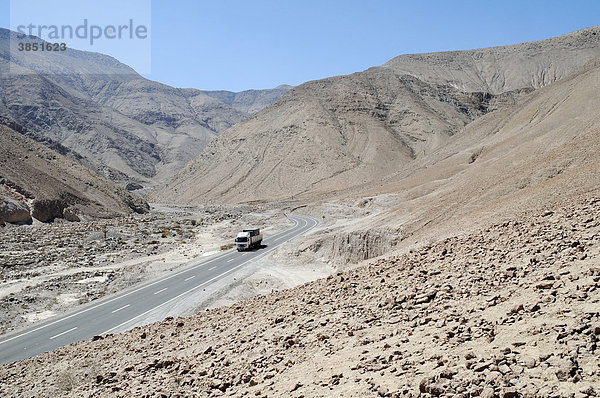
{"x": 231, "y": 260}
{"x": 188, "y": 278}
{"x": 119, "y": 309}
{"x": 65, "y": 332}
{"x": 161, "y": 290}
{"x": 210, "y": 269}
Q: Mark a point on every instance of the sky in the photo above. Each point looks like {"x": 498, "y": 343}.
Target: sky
{"x": 240, "y": 45}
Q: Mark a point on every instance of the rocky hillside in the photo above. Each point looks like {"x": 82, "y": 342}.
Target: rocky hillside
{"x": 498, "y": 70}
{"x": 39, "y": 181}
{"x": 528, "y": 156}
{"x": 105, "y": 111}
{"x": 489, "y": 285}
{"x": 328, "y": 135}
{"x": 509, "y": 310}
{"x": 250, "y": 101}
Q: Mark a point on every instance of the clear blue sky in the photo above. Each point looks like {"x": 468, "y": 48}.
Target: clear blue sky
{"x": 238, "y": 45}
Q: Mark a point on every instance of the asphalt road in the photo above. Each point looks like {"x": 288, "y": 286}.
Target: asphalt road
{"x": 116, "y": 312}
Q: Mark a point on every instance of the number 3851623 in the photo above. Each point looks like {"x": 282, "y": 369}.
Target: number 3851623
{"x": 42, "y": 46}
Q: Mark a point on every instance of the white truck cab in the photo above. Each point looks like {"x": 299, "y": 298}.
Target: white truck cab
{"x": 248, "y": 239}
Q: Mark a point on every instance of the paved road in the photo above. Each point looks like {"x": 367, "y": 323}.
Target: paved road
{"x": 115, "y": 312}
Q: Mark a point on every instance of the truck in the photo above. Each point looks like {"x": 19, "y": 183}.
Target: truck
{"x": 248, "y": 239}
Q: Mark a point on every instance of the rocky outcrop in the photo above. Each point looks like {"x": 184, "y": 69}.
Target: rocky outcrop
{"x": 136, "y": 204}
{"x": 356, "y": 246}
{"x": 133, "y": 186}
{"x": 58, "y": 186}
{"x": 46, "y": 210}
{"x": 70, "y": 214}
{"x": 13, "y": 211}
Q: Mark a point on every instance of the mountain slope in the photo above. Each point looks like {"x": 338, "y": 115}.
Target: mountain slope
{"x": 529, "y": 156}
{"x": 57, "y": 187}
{"x": 104, "y": 110}
{"x": 96, "y": 132}
{"x": 533, "y": 157}
{"x": 314, "y": 138}
{"x": 329, "y": 135}
{"x": 496, "y": 70}
{"x": 250, "y": 101}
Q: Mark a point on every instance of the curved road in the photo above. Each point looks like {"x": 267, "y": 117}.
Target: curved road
{"x": 122, "y": 310}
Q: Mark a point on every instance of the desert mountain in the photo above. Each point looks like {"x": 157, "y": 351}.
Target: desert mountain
{"x": 38, "y": 179}
{"x": 528, "y": 156}
{"x": 346, "y": 131}
{"x": 503, "y": 303}
{"x": 105, "y": 111}
{"x": 533, "y": 157}
{"x": 498, "y": 70}
{"x": 249, "y": 101}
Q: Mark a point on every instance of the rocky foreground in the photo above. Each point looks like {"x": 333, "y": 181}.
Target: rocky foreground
{"x": 512, "y": 310}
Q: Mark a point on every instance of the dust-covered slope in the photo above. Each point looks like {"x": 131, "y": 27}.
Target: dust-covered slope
{"x": 96, "y": 132}
{"x": 534, "y": 155}
{"x": 249, "y": 101}
{"x": 326, "y": 135}
{"x": 104, "y": 110}
{"x": 55, "y": 186}
{"x": 500, "y": 69}
{"x": 329, "y": 135}
{"x": 545, "y": 149}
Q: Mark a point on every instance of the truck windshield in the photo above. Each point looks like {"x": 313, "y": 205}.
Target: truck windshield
{"x": 241, "y": 239}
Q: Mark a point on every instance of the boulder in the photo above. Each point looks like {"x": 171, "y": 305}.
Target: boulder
{"x": 70, "y": 214}
{"x": 13, "y": 211}
{"x": 133, "y": 186}
{"x": 46, "y": 210}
